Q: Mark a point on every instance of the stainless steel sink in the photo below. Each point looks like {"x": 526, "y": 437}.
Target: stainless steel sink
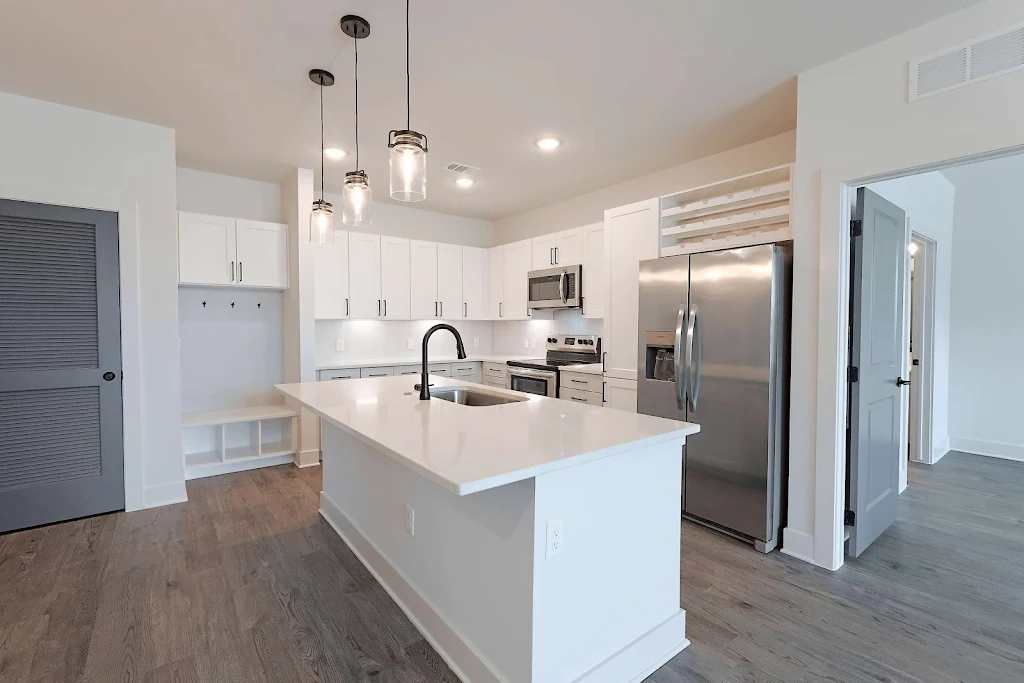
{"x": 471, "y": 397}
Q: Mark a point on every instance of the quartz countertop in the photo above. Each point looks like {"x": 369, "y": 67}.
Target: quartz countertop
{"x": 417, "y": 359}
{"x": 467, "y": 449}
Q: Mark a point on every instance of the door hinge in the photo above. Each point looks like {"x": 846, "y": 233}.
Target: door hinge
{"x": 854, "y": 373}
{"x": 850, "y": 518}
{"x": 856, "y": 228}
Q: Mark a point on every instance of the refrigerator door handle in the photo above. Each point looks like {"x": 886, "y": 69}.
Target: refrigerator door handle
{"x": 694, "y": 349}
{"x": 678, "y": 352}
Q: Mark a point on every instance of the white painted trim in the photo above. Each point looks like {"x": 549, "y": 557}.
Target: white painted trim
{"x": 453, "y": 648}
{"x": 837, "y": 182}
{"x": 992, "y": 449}
{"x": 940, "y": 451}
{"x": 308, "y": 458}
{"x": 798, "y": 544}
{"x": 240, "y": 465}
{"x": 644, "y": 656}
{"x": 923, "y": 389}
{"x": 165, "y": 494}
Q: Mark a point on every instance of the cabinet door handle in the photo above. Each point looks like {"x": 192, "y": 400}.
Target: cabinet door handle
{"x": 441, "y": 303}
{"x": 239, "y": 271}
{"x": 604, "y": 359}
{"x": 500, "y": 314}
{"x": 603, "y": 385}
{"x": 378, "y": 308}
{"x": 435, "y": 309}
{"x": 385, "y": 308}
{"x": 232, "y": 271}
{"x": 551, "y": 256}
{"x": 346, "y": 308}
{"x": 465, "y": 310}
{"x": 556, "y": 256}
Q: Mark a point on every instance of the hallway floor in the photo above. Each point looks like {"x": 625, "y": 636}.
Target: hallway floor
{"x": 246, "y": 583}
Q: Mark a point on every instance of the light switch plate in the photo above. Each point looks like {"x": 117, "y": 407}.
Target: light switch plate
{"x": 339, "y": 345}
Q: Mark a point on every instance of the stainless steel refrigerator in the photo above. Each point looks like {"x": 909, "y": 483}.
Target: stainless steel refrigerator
{"x": 714, "y": 350}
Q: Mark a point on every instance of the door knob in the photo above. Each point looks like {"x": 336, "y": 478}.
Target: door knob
{"x": 900, "y": 382}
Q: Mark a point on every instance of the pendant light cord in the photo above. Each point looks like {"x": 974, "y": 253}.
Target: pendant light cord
{"x": 321, "y": 138}
{"x": 408, "y": 79}
{"x": 356, "y": 41}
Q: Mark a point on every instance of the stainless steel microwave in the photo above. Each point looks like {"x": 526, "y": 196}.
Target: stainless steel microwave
{"x": 560, "y": 287}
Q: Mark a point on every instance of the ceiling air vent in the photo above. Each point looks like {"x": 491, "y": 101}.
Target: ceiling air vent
{"x": 463, "y": 169}
{"x": 986, "y": 57}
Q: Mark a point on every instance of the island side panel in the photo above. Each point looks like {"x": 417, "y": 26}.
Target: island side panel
{"x": 606, "y": 605}
{"x": 470, "y": 561}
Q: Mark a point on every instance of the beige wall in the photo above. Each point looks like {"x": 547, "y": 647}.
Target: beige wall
{"x": 590, "y": 207}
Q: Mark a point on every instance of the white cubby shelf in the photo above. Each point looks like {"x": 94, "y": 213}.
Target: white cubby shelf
{"x": 223, "y": 441}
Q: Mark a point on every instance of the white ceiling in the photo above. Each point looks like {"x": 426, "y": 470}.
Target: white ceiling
{"x": 631, "y": 87}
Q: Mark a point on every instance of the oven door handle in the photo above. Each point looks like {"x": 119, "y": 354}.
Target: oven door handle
{"x": 527, "y": 372}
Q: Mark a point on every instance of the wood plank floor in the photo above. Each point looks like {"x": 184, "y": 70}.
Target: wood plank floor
{"x": 246, "y": 583}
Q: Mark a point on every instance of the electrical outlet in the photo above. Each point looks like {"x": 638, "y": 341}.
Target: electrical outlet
{"x": 476, "y": 342}
{"x": 410, "y": 342}
{"x": 410, "y": 520}
{"x": 339, "y": 345}
{"x": 555, "y": 538}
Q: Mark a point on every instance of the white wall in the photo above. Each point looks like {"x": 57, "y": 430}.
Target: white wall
{"x": 527, "y": 337}
{"x": 407, "y": 221}
{"x": 928, "y": 199}
{"x": 986, "y": 366}
{"x": 854, "y": 121}
{"x": 223, "y": 195}
{"x": 62, "y": 155}
{"x": 589, "y": 208}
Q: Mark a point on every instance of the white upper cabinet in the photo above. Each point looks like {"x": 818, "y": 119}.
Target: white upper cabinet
{"x": 262, "y": 253}
{"x": 631, "y": 235}
{"x": 544, "y": 252}
{"x": 330, "y": 279}
{"x": 518, "y": 262}
{"x": 214, "y": 250}
{"x": 394, "y": 278}
{"x": 475, "y": 298}
{"x": 449, "y": 282}
{"x": 595, "y": 271}
{"x": 563, "y": 248}
{"x": 423, "y": 273}
{"x": 496, "y": 283}
{"x": 569, "y": 247}
{"x": 364, "y": 276}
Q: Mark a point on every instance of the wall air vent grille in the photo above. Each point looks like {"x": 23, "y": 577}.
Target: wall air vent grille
{"x": 461, "y": 169}
{"x": 986, "y": 57}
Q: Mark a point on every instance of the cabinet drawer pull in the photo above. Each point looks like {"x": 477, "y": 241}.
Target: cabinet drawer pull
{"x": 581, "y": 400}
{"x": 579, "y": 381}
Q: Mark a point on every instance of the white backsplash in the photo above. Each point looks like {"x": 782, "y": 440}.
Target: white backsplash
{"x": 372, "y": 339}
{"x": 529, "y": 336}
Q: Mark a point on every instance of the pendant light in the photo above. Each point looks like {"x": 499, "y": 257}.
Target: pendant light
{"x": 356, "y": 197}
{"x": 321, "y": 218}
{"x": 408, "y": 157}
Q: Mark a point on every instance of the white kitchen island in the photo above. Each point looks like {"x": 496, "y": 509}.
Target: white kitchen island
{"x": 534, "y": 541}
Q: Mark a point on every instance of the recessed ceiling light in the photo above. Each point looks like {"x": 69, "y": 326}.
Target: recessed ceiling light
{"x": 548, "y": 144}
{"x": 464, "y": 182}
{"x": 334, "y": 153}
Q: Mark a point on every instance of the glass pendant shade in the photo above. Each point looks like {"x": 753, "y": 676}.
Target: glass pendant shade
{"x": 321, "y": 223}
{"x": 408, "y": 162}
{"x": 357, "y": 199}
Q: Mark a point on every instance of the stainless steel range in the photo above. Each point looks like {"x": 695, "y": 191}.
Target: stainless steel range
{"x": 541, "y": 376}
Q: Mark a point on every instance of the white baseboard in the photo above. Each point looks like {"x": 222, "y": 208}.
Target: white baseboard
{"x": 308, "y": 458}
{"x": 992, "y": 449}
{"x": 643, "y": 656}
{"x": 164, "y": 494}
{"x": 798, "y": 544}
{"x": 940, "y": 450}
{"x": 232, "y": 466}
{"x": 448, "y": 643}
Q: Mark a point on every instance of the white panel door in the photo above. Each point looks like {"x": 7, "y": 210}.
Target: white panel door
{"x": 394, "y": 277}
{"x": 474, "y": 284}
{"x": 630, "y": 236}
{"x": 496, "y": 283}
{"x": 423, "y": 271}
{"x": 364, "y": 275}
{"x": 262, "y": 250}
{"x": 449, "y": 282}
{"x": 595, "y": 271}
{"x": 569, "y": 247}
{"x": 330, "y": 279}
{"x": 543, "y": 252}
{"x": 518, "y": 261}
{"x": 206, "y": 249}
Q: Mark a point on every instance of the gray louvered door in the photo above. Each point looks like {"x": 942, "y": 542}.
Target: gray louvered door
{"x": 61, "y": 448}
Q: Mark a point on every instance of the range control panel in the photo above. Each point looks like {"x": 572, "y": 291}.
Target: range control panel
{"x": 587, "y": 343}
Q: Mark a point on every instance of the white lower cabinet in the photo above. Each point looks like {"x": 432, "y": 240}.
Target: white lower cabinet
{"x": 581, "y": 387}
{"x": 620, "y": 394}
{"x": 588, "y": 397}
{"x": 350, "y": 373}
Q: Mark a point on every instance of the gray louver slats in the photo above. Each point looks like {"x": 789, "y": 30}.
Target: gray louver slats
{"x": 47, "y": 295}
{"x": 49, "y": 436}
